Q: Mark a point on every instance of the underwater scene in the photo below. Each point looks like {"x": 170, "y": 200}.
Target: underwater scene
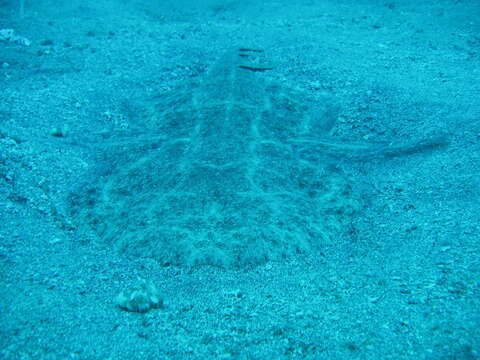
{"x": 240, "y": 179}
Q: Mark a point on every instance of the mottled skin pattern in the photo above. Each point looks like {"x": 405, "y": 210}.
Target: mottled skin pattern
{"x": 232, "y": 173}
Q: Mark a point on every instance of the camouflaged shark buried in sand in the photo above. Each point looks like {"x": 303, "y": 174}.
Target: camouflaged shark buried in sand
{"x": 233, "y": 172}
